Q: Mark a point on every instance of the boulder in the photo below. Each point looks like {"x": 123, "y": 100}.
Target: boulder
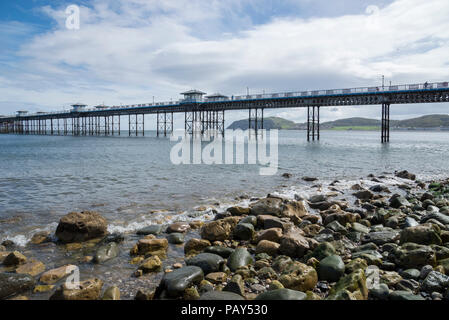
{"x": 404, "y": 295}
{"x": 435, "y": 282}
{"x": 268, "y": 222}
{"x": 208, "y": 262}
{"x": 411, "y": 255}
{"x": 153, "y": 229}
{"x": 282, "y": 294}
{"x": 178, "y": 227}
{"x": 422, "y": 234}
{"x": 12, "y": 284}
{"x": 322, "y": 251}
{"x": 175, "y": 238}
{"x": 216, "y": 277}
{"x": 269, "y": 247}
{"x": 380, "y": 237}
{"x": 406, "y": 175}
{"x": 41, "y": 237}
{"x": 238, "y": 211}
{"x": 235, "y": 285}
{"x": 398, "y": 201}
{"x": 111, "y": 293}
{"x": 219, "y": 230}
{"x": 54, "y": 275}
{"x": 84, "y": 290}
{"x": 294, "y": 245}
{"x": 273, "y": 234}
{"x": 81, "y": 226}
{"x": 151, "y": 264}
{"x": 363, "y": 195}
{"x": 106, "y": 252}
{"x": 244, "y": 231}
{"x": 239, "y": 258}
{"x": 15, "y": 258}
{"x": 173, "y": 284}
{"x": 196, "y": 246}
{"x": 352, "y": 286}
{"x": 331, "y": 268}
{"x": 267, "y": 206}
{"x": 298, "y": 276}
{"x": 224, "y": 252}
{"x": 32, "y": 268}
{"x": 154, "y": 247}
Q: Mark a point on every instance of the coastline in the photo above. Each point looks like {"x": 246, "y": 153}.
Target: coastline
{"x": 313, "y": 243}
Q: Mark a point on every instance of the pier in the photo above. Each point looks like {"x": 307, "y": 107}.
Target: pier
{"x": 205, "y": 113}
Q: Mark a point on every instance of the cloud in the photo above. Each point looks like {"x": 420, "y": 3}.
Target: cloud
{"x": 129, "y": 51}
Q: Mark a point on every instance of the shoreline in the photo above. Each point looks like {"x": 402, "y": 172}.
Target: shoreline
{"x": 297, "y": 246}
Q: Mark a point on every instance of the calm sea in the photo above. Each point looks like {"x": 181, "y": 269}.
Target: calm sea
{"x": 132, "y": 182}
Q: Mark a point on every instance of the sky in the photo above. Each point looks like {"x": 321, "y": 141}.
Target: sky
{"x": 129, "y": 51}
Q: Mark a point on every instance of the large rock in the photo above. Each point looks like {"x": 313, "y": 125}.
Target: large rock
{"x": 380, "y": 237}
{"x": 111, "y": 293}
{"x": 239, "y": 258}
{"x": 294, "y": 245}
{"x": 406, "y": 175}
{"x": 405, "y": 295}
{"x": 219, "y": 230}
{"x": 363, "y": 195}
{"x": 84, "y": 290}
{"x": 153, "y": 229}
{"x": 178, "y": 227}
{"x": 298, "y": 276}
{"x": 422, "y": 234}
{"x": 435, "y": 282}
{"x": 106, "y": 252}
{"x": 81, "y": 226}
{"x": 331, "y": 268}
{"x": 411, "y": 255}
{"x": 273, "y": 234}
{"x": 176, "y": 238}
{"x": 397, "y": 201}
{"x": 267, "y": 206}
{"x": 235, "y": 285}
{"x": 269, "y": 247}
{"x": 13, "y": 284}
{"x": 195, "y": 246}
{"x": 32, "y": 268}
{"x": 151, "y": 264}
{"x": 54, "y": 275}
{"x": 173, "y": 284}
{"x": 208, "y": 262}
{"x": 282, "y": 294}
{"x": 154, "y": 247}
{"x": 224, "y": 252}
{"x": 442, "y": 218}
{"x": 15, "y": 258}
{"x": 350, "y": 287}
{"x": 244, "y": 231}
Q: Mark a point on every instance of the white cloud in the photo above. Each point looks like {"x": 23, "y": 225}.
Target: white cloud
{"x": 128, "y": 51}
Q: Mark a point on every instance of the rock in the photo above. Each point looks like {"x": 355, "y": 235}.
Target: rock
{"x": 175, "y": 283}
{"x": 317, "y": 198}
{"x": 390, "y": 278}
{"x": 411, "y": 274}
{"x": 244, "y": 231}
{"x": 409, "y": 222}
{"x": 403, "y": 295}
{"x": 32, "y": 268}
{"x": 379, "y": 188}
{"x": 220, "y": 295}
{"x": 106, "y": 252}
{"x": 337, "y": 227}
{"x": 398, "y": 201}
{"x": 208, "y": 262}
{"x": 380, "y": 237}
{"x": 269, "y": 247}
{"x": 331, "y": 268}
{"x": 406, "y": 175}
{"x": 81, "y": 226}
{"x": 113, "y": 237}
{"x": 178, "y": 227}
{"x": 411, "y": 255}
{"x": 425, "y": 270}
{"x": 354, "y": 284}
{"x": 268, "y": 222}
{"x": 219, "y": 230}
{"x": 444, "y": 219}
{"x": 273, "y": 234}
{"x": 357, "y": 227}
{"x": 84, "y": 290}
{"x": 435, "y": 282}
{"x": 267, "y": 206}
{"x": 41, "y": 237}
{"x": 196, "y": 246}
{"x": 380, "y": 292}
{"x": 54, "y": 275}
{"x": 356, "y": 264}
{"x": 111, "y": 293}
{"x": 322, "y": 251}
{"x": 294, "y": 245}
{"x": 239, "y": 258}
{"x": 196, "y": 224}
{"x": 154, "y": 247}
{"x": 250, "y": 219}
{"x": 422, "y": 234}
{"x": 151, "y": 264}
{"x": 236, "y": 285}
{"x": 15, "y": 258}
{"x": 43, "y": 288}
{"x": 13, "y": 284}
{"x": 216, "y": 277}
{"x": 298, "y": 276}
{"x": 175, "y": 238}
{"x": 221, "y": 251}
{"x": 191, "y": 294}
{"x": 309, "y": 179}
{"x": 287, "y": 175}
{"x": 282, "y": 294}
{"x": 238, "y": 211}
{"x": 153, "y": 229}
{"x": 363, "y": 195}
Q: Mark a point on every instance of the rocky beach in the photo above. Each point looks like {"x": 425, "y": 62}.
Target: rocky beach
{"x": 385, "y": 237}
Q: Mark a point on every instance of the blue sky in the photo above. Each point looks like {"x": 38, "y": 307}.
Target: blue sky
{"x": 127, "y": 51}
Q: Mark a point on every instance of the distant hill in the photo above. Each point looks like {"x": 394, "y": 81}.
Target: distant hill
{"x": 356, "y": 123}
{"x": 268, "y": 123}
